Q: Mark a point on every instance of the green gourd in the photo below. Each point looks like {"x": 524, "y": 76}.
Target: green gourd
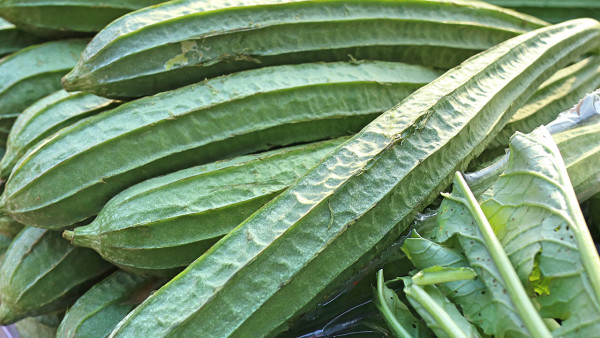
{"x": 185, "y": 41}
{"x": 555, "y": 95}
{"x": 32, "y": 73}
{"x": 42, "y": 273}
{"x": 99, "y": 310}
{"x": 554, "y": 11}
{"x": 13, "y": 39}
{"x": 39, "y": 327}
{"x": 67, "y": 18}
{"x": 44, "y": 118}
{"x": 161, "y": 225}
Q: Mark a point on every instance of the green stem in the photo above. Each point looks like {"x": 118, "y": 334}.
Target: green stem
{"x": 447, "y": 275}
{"x": 551, "y": 324}
{"x": 68, "y": 235}
{"x": 391, "y": 281}
{"x": 397, "y": 329}
{"x": 438, "y": 313}
{"x": 519, "y": 297}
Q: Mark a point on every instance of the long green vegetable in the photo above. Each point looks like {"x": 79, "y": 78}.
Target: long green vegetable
{"x": 362, "y": 196}
{"x": 186, "y": 41}
{"x": 32, "y": 73}
{"x": 35, "y": 72}
{"x": 144, "y": 228}
{"x": 39, "y": 327}
{"x": 42, "y": 274}
{"x": 555, "y": 95}
{"x": 580, "y": 148}
{"x": 98, "y": 311}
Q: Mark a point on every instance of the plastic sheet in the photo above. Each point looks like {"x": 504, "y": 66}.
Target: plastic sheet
{"x": 585, "y": 112}
{"x": 8, "y": 332}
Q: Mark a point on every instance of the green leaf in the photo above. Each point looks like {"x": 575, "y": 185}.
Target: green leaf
{"x": 481, "y": 235}
{"x": 534, "y": 212}
{"x": 456, "y": 223}
{"x": 396, "y": 314}
{"x": 439, "y": 313}
{"x": 488, "y": 310}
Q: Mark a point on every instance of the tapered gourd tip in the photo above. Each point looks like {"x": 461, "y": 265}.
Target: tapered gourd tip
{"x": 67, "y": 81}
{"x": 72, "y": 81}
{"x": 68, "y": 234}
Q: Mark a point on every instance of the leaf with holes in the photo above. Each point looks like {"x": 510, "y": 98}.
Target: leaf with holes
{"x": 535, "y": 214}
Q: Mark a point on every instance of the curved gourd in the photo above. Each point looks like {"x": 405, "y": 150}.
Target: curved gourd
{"x": 32, "y": 73}
{"x": 554, "y": 11}
{"x": 99, "y": 310}
{"x": 555, "y": 95}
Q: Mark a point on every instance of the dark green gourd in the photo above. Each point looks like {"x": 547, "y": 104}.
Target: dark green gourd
{"x": 186, "y": 41}
{"x": 45, "y": 117}
{"x": 32, "y": 73}
{"x": 98, "y": 311}
{"x": 160, "y": 226}
{"x": 13, "y": 39}
{"x": 42, "y": 273}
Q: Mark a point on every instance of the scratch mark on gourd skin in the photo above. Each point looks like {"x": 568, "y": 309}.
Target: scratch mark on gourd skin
{"x": 330, "y": 215}
{"x": 189, "y": 53}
